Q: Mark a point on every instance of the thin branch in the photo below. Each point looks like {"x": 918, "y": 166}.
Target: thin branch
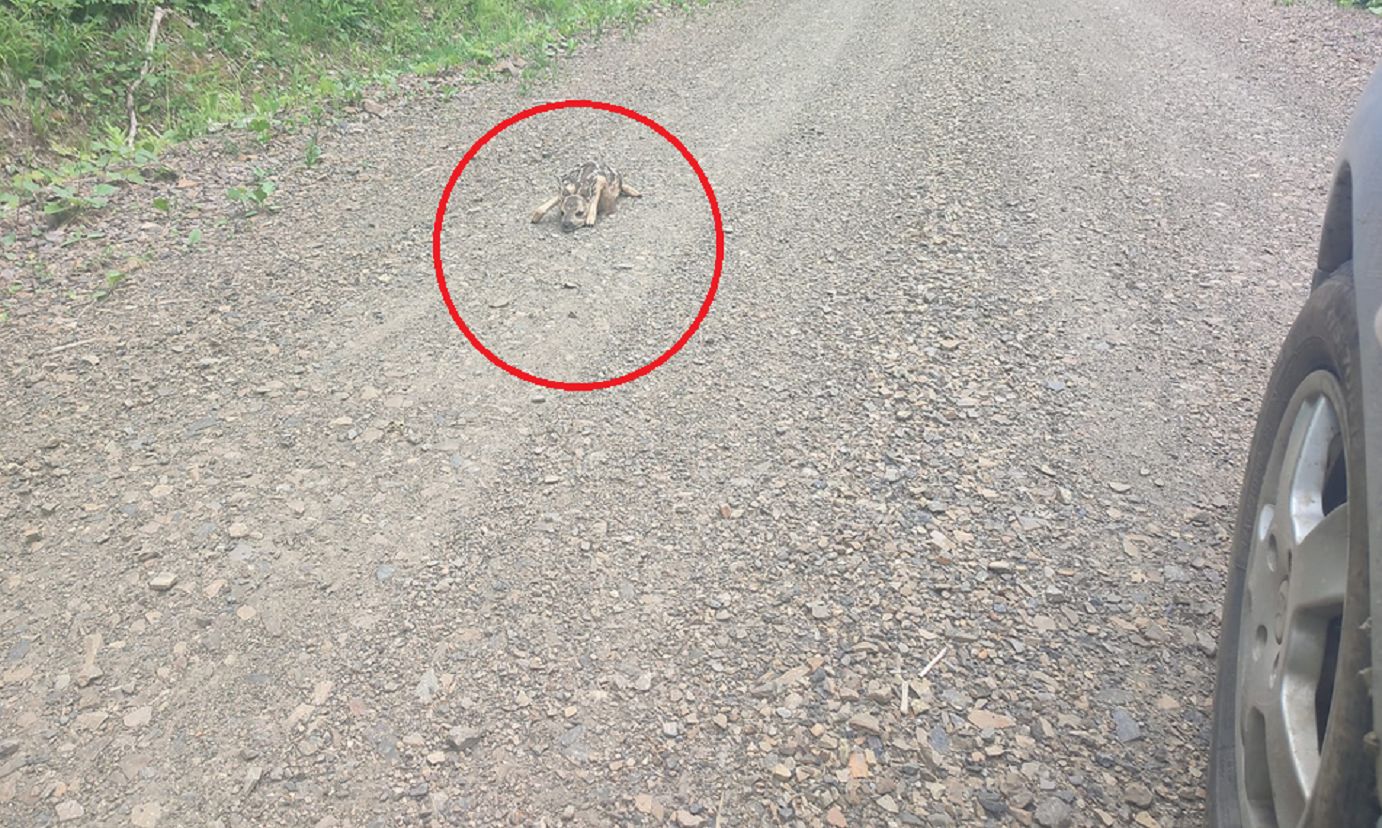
{"x": 159, "y": 12}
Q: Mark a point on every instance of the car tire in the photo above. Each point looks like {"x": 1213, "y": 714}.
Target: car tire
{"x": 1281, "y": 628}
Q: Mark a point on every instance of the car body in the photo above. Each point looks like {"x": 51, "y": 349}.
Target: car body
{"x": 1353, "y": 231}
{"x": 1296, "y": 698}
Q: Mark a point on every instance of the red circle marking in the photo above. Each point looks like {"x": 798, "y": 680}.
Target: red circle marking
{"x": 714, "y": 212}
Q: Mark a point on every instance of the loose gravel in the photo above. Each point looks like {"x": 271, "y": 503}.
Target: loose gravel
{"x": 925, "y": 527}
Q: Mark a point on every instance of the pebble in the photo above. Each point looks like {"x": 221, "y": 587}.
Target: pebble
{"x": 163, "y": 581}
{"x": 1053, "y": 813}
{"x": 991, "y": 802}
{"x": 427, "y": 687}
{"x": 1125, "y": 727}
{"x": 464, "y": 738}
{"x": 69, "y": 809}
{"x": 865, "y": 722}
{"x": 1138, "y": 794}
{"x": 145, "y": 814}
{"x": 988, "y": 720}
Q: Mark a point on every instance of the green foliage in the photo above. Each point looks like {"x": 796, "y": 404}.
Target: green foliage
{"x": 1374, "y": 6}
{"x": 66, "y": 65}
{"x": 113, "y": 280}
{"x": 252, "y": 199}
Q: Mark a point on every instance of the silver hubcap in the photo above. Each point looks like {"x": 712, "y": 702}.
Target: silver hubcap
{"x": 1297, "y": 572}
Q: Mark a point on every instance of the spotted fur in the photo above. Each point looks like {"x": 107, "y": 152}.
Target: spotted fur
{"x": 585, "y": 192}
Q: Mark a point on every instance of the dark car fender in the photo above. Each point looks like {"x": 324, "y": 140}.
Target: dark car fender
{"x": 1353, "y": 230}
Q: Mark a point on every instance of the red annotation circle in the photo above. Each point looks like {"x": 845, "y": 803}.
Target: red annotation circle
{"x": 709, "y": 294}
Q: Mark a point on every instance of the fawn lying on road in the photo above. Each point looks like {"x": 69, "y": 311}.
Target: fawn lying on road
{"x": 584, "y": 192}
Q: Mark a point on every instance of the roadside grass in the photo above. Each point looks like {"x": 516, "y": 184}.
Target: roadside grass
{"x": 266, "y": 66}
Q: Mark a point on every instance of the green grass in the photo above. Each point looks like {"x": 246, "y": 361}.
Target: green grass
{"x": 65, "y": 65}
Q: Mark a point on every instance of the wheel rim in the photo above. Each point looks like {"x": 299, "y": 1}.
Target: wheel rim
{"x": 1297, "y": 574}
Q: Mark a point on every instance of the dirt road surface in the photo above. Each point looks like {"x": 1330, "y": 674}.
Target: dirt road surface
{"x": 1003, "y": 282}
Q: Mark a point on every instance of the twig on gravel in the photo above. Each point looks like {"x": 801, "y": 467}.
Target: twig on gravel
{"x": 932, "y": 663}
{"x": 159, "y": 12}
{"x": 71, "y": 345}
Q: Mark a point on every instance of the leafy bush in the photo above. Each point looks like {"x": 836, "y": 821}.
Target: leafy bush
{"x": 66, "y": 65}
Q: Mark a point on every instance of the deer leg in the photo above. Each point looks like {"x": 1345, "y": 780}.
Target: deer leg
{"x": 595, "y": 202}
{"x": 629, "y": 191}
{"x": 545, "y": 207}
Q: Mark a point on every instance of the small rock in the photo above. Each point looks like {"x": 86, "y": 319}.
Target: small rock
{"x": 436, "y": 757}
{"x": 1119, "y": 488}
{"x": 139, "y": 717}
{"x": 91, "y": 720}
{"x": 1125, "y": 727}
{"x": 836, "y": 818}
{"x": 991, "y": 802}
{"x": 670, "y": 729}
{"x": 464, "y": 738}
{"x": 1138, "y": 794}
{"x": 988, "y": 720}
{"x": 427, "y": 687}
{"x": 238, "y": 530}
{"x": 865, "y": 722}
{"x": 69, "y": 809}
{"x": 145, "y": 814}
{"x": 252, "y": 776}
{"x": 1001, "y": 567}
{"x": 162, "y": 582}
{"x": 686, "y": 819}
{"x": 1053, "y": 813}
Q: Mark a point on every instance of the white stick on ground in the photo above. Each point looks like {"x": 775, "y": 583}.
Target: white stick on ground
{"x": 932, "y": 663}
{"x": 159, "y": 12}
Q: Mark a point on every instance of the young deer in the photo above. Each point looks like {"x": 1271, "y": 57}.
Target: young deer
{"x": 583, "y": 193}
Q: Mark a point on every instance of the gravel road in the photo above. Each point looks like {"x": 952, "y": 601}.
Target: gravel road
{"x": 926, "y": 526}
